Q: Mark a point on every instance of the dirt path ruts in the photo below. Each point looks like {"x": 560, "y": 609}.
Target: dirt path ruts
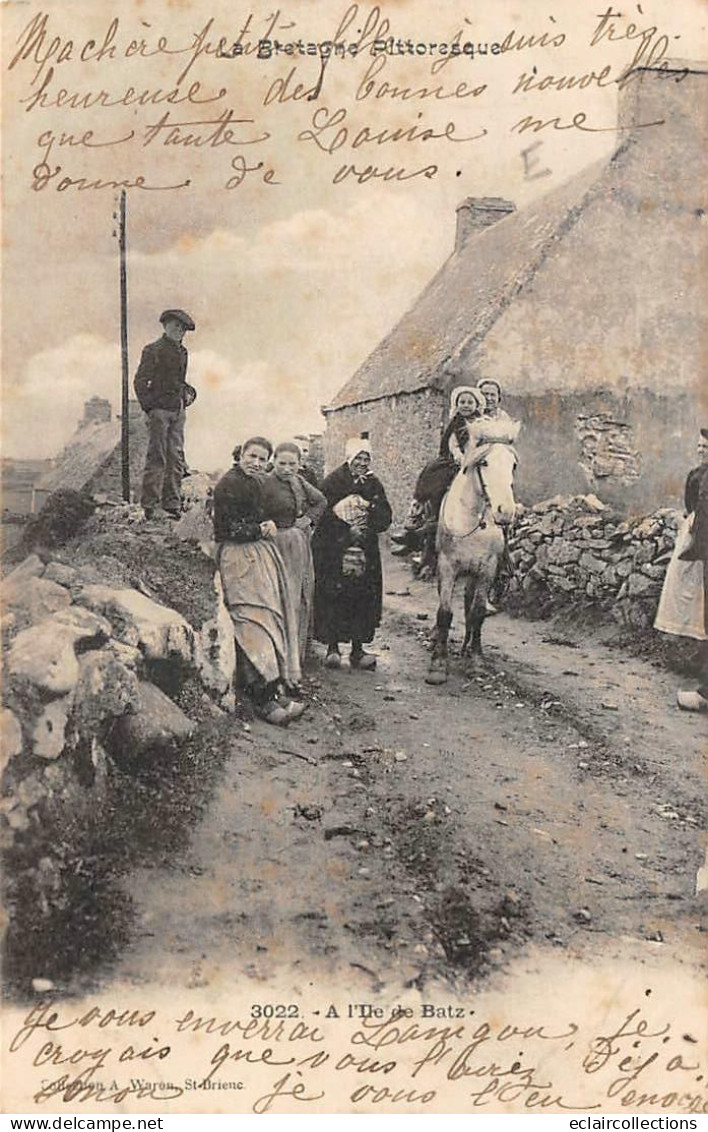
{"x": 412, "y": 832}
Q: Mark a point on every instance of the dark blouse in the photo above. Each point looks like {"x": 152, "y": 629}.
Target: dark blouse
{"x": 693, "y": 485}
{"x": 284, "y": 501}
{"x": 238, "y": 511}
{"x": 458, "y": 426}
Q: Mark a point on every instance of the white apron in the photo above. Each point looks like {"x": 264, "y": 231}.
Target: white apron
{"x": 681, "y": 606}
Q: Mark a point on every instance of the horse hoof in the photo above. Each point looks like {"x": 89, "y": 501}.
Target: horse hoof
{"x": 436, "y": 676}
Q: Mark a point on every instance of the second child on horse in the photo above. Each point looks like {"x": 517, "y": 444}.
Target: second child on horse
{"x": 466, "y": 404}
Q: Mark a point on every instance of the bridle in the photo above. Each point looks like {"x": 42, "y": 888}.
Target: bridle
{"x": 475, "y": 464}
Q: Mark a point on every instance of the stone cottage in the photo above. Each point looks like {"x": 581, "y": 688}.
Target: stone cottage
{"x": 588, "y": 306}
{"x": 91, "y": 461}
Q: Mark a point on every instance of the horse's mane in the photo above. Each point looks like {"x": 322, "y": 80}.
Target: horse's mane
{"x": 487, "y": 430}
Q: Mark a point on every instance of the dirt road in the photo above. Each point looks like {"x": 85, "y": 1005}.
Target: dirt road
{"x": 414, "y": 833}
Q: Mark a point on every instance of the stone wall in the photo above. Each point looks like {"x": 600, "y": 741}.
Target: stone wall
{"x": 404, "y": 431}
{"x": 96, "y": 680}
{"x": 575, "y": 551}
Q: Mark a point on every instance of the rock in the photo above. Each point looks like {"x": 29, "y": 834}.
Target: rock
{"x": 216, "y": 662}
{"x": 127, "y": 655}
{"x": 197, "y": 488}
{"x": 49, "y": 732}
{"x": 89, "y": 627}
{"x": 30, "y": 791}
{"x": 158, "y": 631}
{"x": 105, "y": 690}
{"x": 592, "y": 503}
{"x": 32, "y": 599}
{"x": 562, "y": 551}
{"x": 10, "y": 737}
{"x": 568, "y": 585}
{"x": 558, "y": 502}
{"x": 592, "y": 543}
{"x": 592, "y": 564}
{"x": 645, "y": 552}
{"x": 44, "y": 654}
{"x": 45, "y": 659}
{"x": 30, "y": 567}
{"x": 196, "y": 525}
{"x": 157, "y": 724}
{"x": 654, "y": 571}
{"x": 648, "y": 528}
{"x": 639, "y": 584}
{"x": 61, "y": 574}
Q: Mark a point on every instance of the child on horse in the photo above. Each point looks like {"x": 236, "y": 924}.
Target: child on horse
{"x": 466, "y": 403}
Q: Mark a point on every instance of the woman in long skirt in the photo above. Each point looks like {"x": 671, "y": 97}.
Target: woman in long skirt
{"x": 296, "y": 507}
{"x": 682, "y": 606}
{"x": 345, "y": 546}
{"x": 256, "y": 587}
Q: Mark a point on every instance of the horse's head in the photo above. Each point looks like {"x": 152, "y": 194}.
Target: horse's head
{"x": 492, "y": 457}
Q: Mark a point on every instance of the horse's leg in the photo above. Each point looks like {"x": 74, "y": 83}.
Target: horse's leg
{"x": 469, "y": 596}
{"x": 476, "y": 596}
{"x": 428, "y": 560}
{"x": 438, "y": 671}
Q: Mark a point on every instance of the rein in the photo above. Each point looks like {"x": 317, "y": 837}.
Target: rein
{"x": 475, "y": 465}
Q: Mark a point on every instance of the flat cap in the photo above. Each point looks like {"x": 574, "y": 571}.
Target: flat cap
{"x": 179, "y": 316}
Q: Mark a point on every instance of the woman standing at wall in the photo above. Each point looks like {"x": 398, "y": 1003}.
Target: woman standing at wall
{"x": 682, "y": 608}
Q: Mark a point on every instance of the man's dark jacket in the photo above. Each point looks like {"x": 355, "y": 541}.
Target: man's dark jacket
{"x": 159, "y": 381}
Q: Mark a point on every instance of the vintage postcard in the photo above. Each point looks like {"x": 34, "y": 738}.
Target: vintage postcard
{"x": 288, "y": 825}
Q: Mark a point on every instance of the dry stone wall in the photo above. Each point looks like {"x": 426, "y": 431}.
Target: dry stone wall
{"x": 577, "y": 551}
{"x": 94, "y": 676}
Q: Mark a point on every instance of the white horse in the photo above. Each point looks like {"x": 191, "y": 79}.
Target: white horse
{"x": 470, "y": 539}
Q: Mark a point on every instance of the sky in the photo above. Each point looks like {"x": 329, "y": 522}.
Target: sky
{"x": 291, "y": 284}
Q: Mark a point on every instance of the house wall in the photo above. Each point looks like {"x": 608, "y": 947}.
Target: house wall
{"x": 404, "y": 432}
{"x": 632, "y": 451}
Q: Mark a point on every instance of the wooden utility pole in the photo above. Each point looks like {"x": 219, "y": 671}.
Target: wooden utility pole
{"x": 124, "y": 419}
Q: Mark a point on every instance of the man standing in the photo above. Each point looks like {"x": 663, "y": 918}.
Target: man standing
{"x": 163, "y": 394}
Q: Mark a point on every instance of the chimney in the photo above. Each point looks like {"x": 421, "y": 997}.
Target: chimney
{"x": 674, "y": 93}
{"x": 96, "y": 411}
{"x": 669, "y": 157}
{"x": 476, "y": 213}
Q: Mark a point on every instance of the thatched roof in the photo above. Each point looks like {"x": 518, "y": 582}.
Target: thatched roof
{"x": 469, "y": 293}
{"x": 596, "y": 281}
{"x": 90, "y": 448}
